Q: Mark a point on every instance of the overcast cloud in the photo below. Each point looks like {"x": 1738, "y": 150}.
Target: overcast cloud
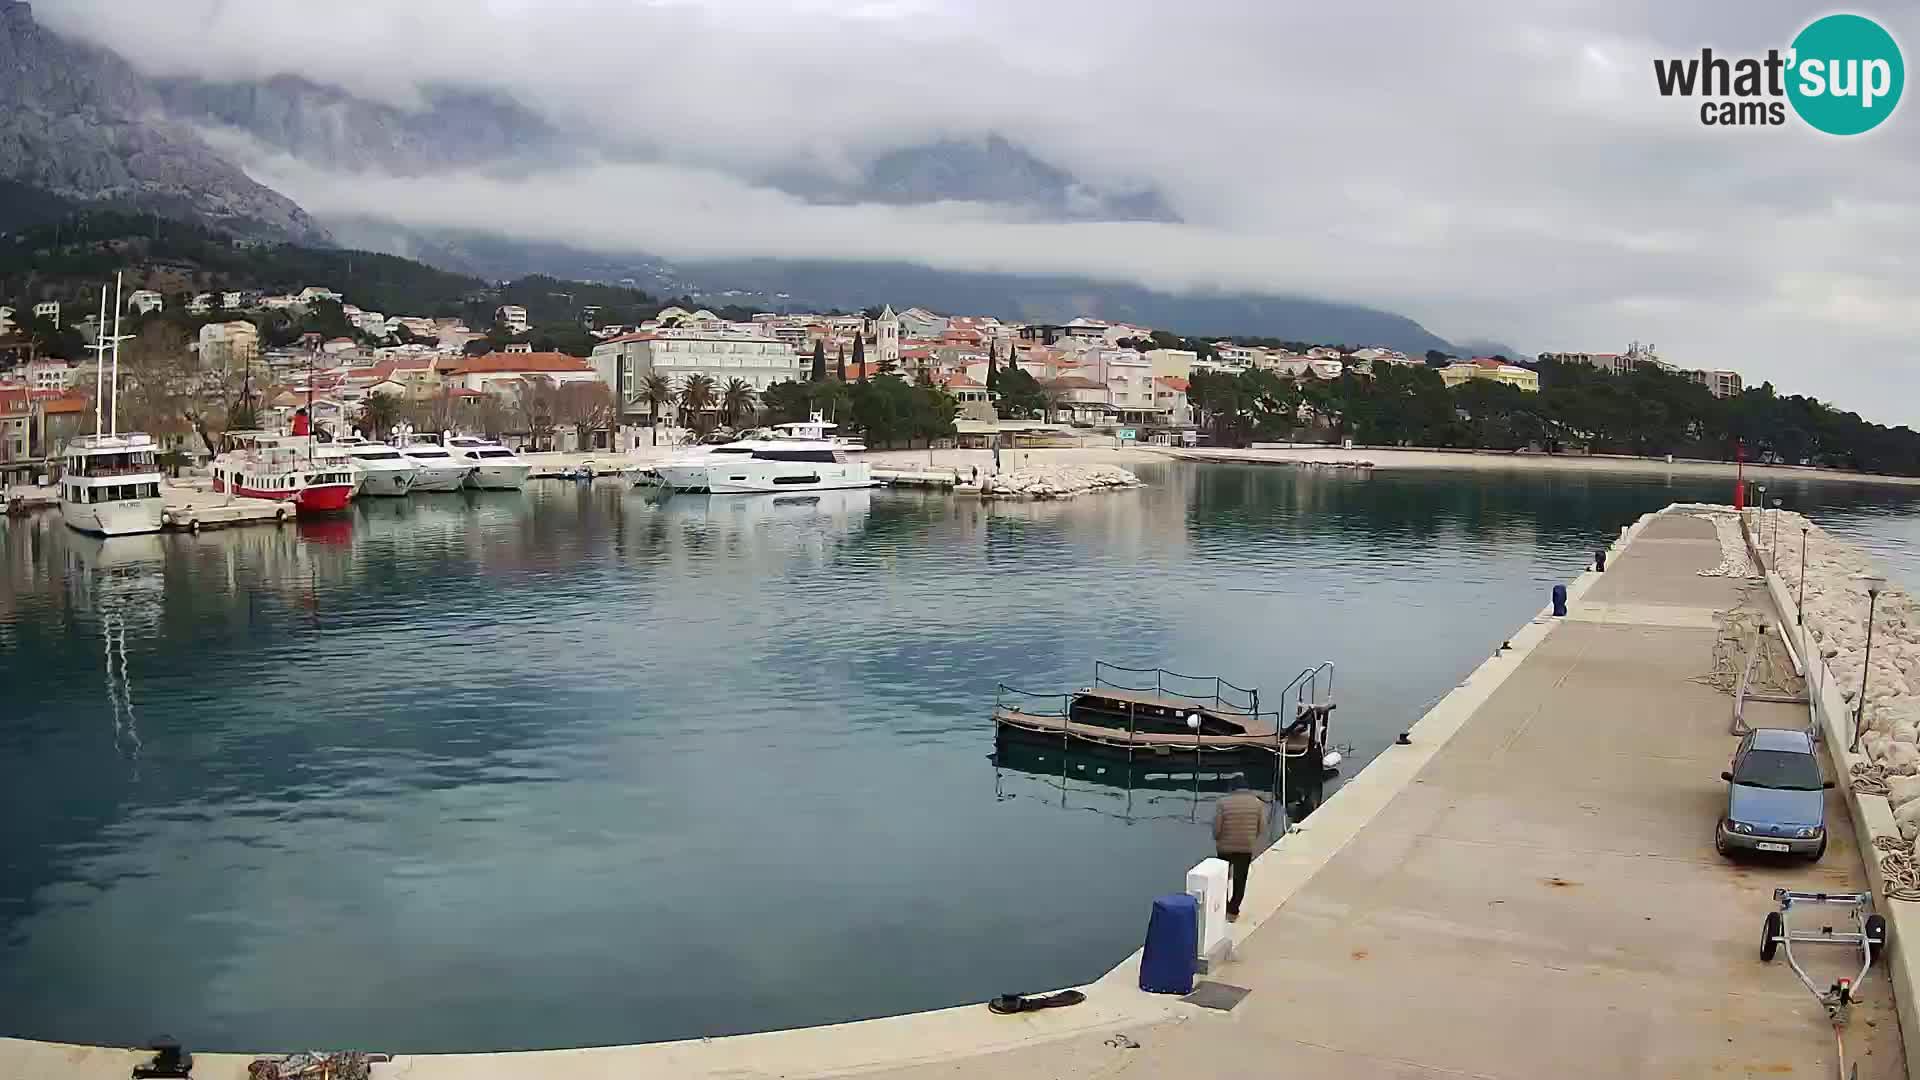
{"x": 1497, "y": 168}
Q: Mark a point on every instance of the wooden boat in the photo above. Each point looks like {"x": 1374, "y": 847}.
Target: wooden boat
{"x": 1177, "y": 714}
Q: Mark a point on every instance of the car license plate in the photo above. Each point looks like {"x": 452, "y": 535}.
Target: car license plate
{"x": 1764, "y": 846}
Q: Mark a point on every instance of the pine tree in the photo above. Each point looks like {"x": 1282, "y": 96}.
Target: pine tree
{"x": 819, "y": 360}
{"x": 860, "y": 356}
{"x": 993, "y": 364}
{"x": 840, "y": 359}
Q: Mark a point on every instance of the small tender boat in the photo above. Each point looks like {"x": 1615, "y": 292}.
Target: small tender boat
{"x": 1159, "y": 711}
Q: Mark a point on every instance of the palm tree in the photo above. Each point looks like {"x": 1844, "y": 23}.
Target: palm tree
{"x": 658, "y": 393}
{"x": 736, "y": 401}
{"x": 378, "y": 415}
{"x": 696, "y": 396}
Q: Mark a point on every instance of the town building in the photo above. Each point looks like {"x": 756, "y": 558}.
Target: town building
{"x": 229, "y": 346}
{"x": 49, "y": 310}
{"x": 886, "y": 337}
{"x": 1611, "y": 363}
{"x": 511, "y": 316}
{"x": 1719, "y": 382}
{"x": 1170, "y": 398}
{"x": 502, "y": 373}
{"x": 676, "y": 354}
{"x": 919, "y": 322}
{"x": 1484, "y": 367}
{"x": 1171, "y": 363}
{"x": 145, "y": 301}
{"x": 6, "y": 320}
{"x": 49, "y": 374}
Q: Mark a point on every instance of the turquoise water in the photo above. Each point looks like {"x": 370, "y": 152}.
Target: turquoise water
{"x": 577, "y": 767}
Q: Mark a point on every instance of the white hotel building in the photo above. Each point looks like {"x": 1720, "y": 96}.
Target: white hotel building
{"x": 719, "y": 355}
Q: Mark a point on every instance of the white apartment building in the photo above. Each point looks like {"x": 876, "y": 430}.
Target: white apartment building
{"x": 6, "y": 319}
{"x": 511, "y": 316}
{"x": 1171, "y": 363}
{"x": 1232, "y": 355}
{"x": 50, "y": 375}
{"x": 200, "y": 304}
{"x": 757, "y": 361}
{"x": 142, "y": 301}
{"x": 921, "y": 323}
{"x": 1127, "y": 375}
{"x": 314, "y": 292}
{"x": 228, "y": 345}
{"x": 48, "y": 309}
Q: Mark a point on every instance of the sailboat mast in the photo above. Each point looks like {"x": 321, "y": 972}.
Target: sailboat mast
{"x": 99, "y": 360}
{"x": 114, "y": 428}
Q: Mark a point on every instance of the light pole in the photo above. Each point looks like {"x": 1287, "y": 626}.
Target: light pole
{"x": 1193, "y": 725}
{"x": 1762, "y": 504}
{"x": 1801, "y": 619}
{"x": 1774, "y": 547}
{"x": 1874, "y": 584}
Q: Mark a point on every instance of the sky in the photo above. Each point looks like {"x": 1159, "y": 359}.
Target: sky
{"x": 1495, "y": 169}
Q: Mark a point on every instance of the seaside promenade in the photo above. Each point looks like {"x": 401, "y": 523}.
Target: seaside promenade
{"x": 1527, "y": 888}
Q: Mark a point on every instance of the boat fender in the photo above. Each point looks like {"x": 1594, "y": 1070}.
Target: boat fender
{"x": 196, "y": 525}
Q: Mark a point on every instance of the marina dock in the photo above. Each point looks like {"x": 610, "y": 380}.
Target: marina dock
{"x": 193, "y": 507}
{"x": 1525, "y": 887}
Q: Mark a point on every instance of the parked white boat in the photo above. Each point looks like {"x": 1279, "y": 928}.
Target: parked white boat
{"x": 110, "y": 485}
{"x": 799, "y": 457}
{"x": 436, "y": 467}
{"x": 383, "y": 470}
{"x": 496, "y": 468}
{"x": 109, "y": 481}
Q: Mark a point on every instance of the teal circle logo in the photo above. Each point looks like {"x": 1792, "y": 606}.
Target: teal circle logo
{"x": 1846, "y": 74}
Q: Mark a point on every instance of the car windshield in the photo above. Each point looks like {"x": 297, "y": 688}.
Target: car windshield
{"x": 1778, "y": 769}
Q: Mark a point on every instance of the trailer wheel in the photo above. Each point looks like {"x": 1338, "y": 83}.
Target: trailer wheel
{"x": 1876, "y": 929}
{"x": 1770, "y": 934}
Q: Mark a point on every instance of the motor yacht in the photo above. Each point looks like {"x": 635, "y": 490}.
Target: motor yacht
{"x": 383, "y": 469}
{"x": 437, "y": 469}
{"x": 496, "y": 468}
{"x": 799, "y": 457}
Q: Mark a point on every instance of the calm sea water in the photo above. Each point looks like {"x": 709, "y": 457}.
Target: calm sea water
{"x": 577, "y": 767}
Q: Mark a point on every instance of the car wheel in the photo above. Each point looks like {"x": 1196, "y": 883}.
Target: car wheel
{"x": 1771, "y": 932}
{"x": 1876, "y": 930}
{"x": 1819, "y": 851}
{"x": 1720, "y": 843}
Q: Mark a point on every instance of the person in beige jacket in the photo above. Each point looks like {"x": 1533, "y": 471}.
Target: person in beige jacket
{"x": 1239, "y": 823}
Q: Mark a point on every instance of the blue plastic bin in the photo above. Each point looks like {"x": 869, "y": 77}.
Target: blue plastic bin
{"x": 1173, "y": 940}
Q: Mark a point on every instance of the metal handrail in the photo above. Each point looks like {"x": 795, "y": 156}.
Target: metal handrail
{"x": 1065, "y": 700}
{"x": 1159, "y": 687}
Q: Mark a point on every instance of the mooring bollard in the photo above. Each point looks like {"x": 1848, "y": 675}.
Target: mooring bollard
{"x": 1600, "y": 560}
{"x": 1559, "y": 599}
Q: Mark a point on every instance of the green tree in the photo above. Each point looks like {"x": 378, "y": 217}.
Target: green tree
{"x": 657, "y": 392}
{"x": 993, "y": 366}
{"x": 1020, "y": 395}
{"x": 736, "y": 402}
{"x": 788, "y": 402}
{"x": 696, "y": 397}
{"x": 379, "y": 414}
{"x": 860, "y": 356}
{"x": 819, "y": 360}
{"x": 840, "y": 361}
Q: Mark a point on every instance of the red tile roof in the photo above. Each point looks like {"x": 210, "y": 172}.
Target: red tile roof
{"x": 67, "y": 403}
{"x": 1173, "y": 381}
{"x": 1074, "y": 382}
{"x": 496, "y": 363}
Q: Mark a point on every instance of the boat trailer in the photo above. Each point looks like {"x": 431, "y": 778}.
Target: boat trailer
{"x": 1838, "y": 999}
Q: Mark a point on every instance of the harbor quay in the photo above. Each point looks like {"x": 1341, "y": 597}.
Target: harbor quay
{"x": 1526, "y": 885}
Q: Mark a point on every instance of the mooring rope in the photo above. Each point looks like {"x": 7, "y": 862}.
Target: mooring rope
{"x": 1870, "y": 779}
{"x": 1897, "y": 868}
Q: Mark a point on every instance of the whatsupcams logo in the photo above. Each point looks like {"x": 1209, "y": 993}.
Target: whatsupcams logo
{"x": 1842, "y": 75}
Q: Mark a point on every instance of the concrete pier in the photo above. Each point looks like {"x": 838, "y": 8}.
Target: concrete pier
{"x": 1526, "y": 888}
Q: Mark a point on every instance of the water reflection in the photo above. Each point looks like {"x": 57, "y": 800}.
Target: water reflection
{"x": 1144, "y": 786}
{"x": 508, "y": 756}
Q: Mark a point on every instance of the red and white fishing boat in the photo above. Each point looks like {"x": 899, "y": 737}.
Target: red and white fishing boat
{"x": 316, "y": 477}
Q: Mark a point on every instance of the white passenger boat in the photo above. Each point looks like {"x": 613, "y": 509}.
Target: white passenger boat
{"x": 799, "y": 457}
{"x": 495, "y": 468}
{"x": 110, "y": 481}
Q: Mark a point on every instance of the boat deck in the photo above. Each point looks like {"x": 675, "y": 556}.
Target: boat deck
{"x": 1261, "y": 736}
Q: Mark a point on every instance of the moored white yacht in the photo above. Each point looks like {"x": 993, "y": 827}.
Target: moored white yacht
{"x": 110, "y": 481}
{"x": 383, "y": 469}
{"x": 436, "y": 467}
{"x": 800, "y": 457}
{"x": 496, "y": 468}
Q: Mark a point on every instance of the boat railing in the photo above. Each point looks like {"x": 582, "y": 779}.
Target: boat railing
{"x": 1028, "y": 701}
{"x": 1200, "y": 689}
